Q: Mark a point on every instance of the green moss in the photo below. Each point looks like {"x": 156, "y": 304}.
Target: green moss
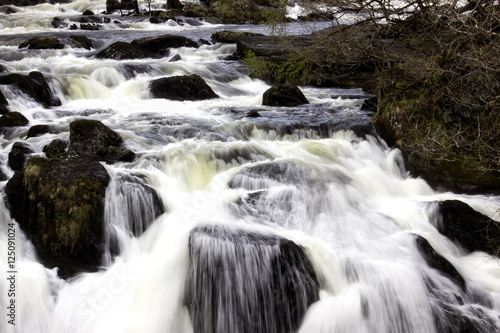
{"x": 65, "y": 213}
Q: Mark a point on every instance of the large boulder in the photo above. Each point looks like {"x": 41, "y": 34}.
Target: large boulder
{"x": 91, "y": 138}
{"x": 284, "y": 95}
{"x": 162, "y": 44}
{"x": 58, "y": 201}
{"x": 182, "y": 88}
{"x": 473, "y": 230}
{"x": 242, "y": 281}
{"x": 122, "y": 51}
{"x": 59, "y": 204}
{"x": 34, "y": 85}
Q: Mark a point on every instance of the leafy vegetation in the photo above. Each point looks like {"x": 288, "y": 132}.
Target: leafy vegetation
{"x": 435, "y": 68}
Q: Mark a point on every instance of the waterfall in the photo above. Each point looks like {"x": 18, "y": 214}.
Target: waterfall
{"x": 300, "y": 220}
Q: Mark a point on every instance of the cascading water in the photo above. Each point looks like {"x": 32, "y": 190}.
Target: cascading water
{"x": 226, "y": 223}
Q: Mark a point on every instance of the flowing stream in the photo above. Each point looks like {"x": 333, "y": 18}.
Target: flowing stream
{"x": 312, "y": 174}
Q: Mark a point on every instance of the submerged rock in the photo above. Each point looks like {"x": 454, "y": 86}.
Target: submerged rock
{"x": 438, "y": 262}
{"x": 34, "y": 85}
{"x": 284, "y": 95}
{"x": 182, "y": 88}
{"x": 473, "y": 230}
{"x": 243, "y": 281}
{"x": 58, "y": 201}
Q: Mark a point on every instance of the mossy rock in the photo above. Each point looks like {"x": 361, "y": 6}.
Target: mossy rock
{"x": 226, "y": 36}
{"x": 59, "y": 205}
{"x": 425, "y": 135}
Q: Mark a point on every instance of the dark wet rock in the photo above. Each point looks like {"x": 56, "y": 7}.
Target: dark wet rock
{"x": 112, "y": 5}
{"x": 42, "y": 89}
{"x": 174, "y": 4}
{"x": 58, "y": 201}
{"x": 7, "y": 10}
{"x": 242, "y": 281}
{"x": 34, "y": 85}
{"x": 253, "y": 114}
{"x": 142, "y": 204}
{"x": 473, "y": 230}
{"x": 284, "y": 95}
{"x": 161, "y": 45}
{"x": 73, "y": 27}
{"x": 81, "y": 42}
{"x": 175, "y": 58}
{"x": 88, "y": 12}
{"x": 363, "y": 130}
{"x": 438, "y": 262}
{"x": 93, "y": 138}
{"x": 155, "y": 20}
{"x": 59, "y": 23}
{"x": 3, "y": 69}
{"x": 452, "y": 314}
{"x": 182, "y": 88}
{"x": 18, "y": 154}
{"x": 59, "y": 205}
{"x": 13, "y": 119}
{"x": 56, "y": 148}
{"x": 3, "y": 104}
{"x": 90, "y": 26}
{"x": 122, "y": 50}
{"x": 42, "y": 43}
{"x": 21, "y": 3}
{"x": 203, "y": 41}
{"x": 90, "y": 19}
{"x": 226, "y": 36}
{"x": 37, "y": 130}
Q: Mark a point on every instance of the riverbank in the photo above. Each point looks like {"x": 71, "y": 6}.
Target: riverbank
{"x": 435, "y": 86}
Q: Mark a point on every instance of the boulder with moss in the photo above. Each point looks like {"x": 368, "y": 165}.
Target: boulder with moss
{"x": 58, "y": 201}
